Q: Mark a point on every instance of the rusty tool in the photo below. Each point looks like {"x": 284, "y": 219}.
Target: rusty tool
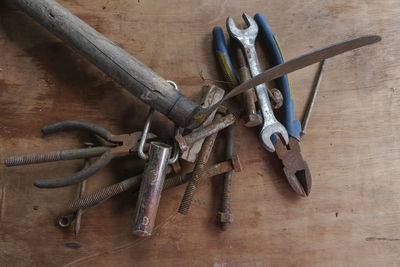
{"x": 294, "y": 166}
{"x": 211, "y": 95}
{"x": 310, "y": 105}
{"x": 144, "y": 83}
{"x": 217, "y": 125}
{"x": 151, "y": 188}
{"x": 252, "y": 118}
{"x": 133, "y": 183}
{"x": 246, "y": 39}
{"x": 122, "y": 145}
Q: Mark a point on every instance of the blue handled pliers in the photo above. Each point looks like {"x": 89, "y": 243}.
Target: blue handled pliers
{"x": 295, "y": 168}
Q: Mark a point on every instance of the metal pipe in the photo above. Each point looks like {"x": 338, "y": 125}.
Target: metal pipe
{"x": 151, "y": 188}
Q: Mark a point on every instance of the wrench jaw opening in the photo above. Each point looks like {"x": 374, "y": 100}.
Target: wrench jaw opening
{"x": 267, "y": 132}
{"x": 242, "y": 35}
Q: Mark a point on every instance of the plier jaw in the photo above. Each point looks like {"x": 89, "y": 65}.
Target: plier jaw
{"x": 295, "y": 168}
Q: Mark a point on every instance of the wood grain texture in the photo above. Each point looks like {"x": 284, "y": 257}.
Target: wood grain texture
{"x": 352, "y": 146}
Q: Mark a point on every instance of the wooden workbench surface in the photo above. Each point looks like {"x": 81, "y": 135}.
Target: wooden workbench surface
{"x": 352, "y": 147}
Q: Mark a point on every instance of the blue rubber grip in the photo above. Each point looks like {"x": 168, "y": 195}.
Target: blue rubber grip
{"x": 223, "y": 56}
{"x": 269, "y": 38}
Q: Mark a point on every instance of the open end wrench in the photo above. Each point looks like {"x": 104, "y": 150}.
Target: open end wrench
{"x": 247, "y": 38}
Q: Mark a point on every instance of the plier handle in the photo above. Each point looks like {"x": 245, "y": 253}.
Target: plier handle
{"x": 295, "y": 168}
{"x": 120, "y": 145}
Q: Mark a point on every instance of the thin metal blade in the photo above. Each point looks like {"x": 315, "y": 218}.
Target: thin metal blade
{"x": 304, "y": 61}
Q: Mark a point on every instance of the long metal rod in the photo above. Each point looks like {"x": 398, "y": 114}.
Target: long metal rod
{"x": 82, "y": 190}
{"x": 310, "y": 105}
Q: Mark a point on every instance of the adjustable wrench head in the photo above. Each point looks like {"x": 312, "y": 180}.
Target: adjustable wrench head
{"x": 267, "y": 132}
{"x": 243, "y": 35}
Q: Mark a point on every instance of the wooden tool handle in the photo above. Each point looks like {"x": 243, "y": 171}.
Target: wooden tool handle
{"x": 137, "y": 78}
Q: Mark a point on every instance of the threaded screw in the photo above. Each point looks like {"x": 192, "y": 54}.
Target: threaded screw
{"x": 104, "y": 194}
{"x": 32, "y": 159}
{"x": 200, "y": 164}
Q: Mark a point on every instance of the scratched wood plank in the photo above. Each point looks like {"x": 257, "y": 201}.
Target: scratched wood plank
{"x": 352, "y": 146}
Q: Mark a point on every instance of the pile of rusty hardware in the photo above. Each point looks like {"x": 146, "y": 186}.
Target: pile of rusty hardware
{"x": 203, "y": 122}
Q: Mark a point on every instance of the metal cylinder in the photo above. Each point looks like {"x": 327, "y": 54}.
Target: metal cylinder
{"x": 151, "y": 188}
{"x": 136, "y": 77}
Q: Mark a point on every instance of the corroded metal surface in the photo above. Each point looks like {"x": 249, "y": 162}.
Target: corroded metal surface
{"x": 134, "y": 182}
{"x": 294, "y": 166}
{"x": 200, "y": 164}
{"x": 200, "y": 133}
{"x": 151, "y": 188}
{"x": 252, "y": 118}
{"x": 123, "y": 145}
{"x": 246, "y": 39}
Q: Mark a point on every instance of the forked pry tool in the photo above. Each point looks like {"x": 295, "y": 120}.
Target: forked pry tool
{"x": 120, "y": 145}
